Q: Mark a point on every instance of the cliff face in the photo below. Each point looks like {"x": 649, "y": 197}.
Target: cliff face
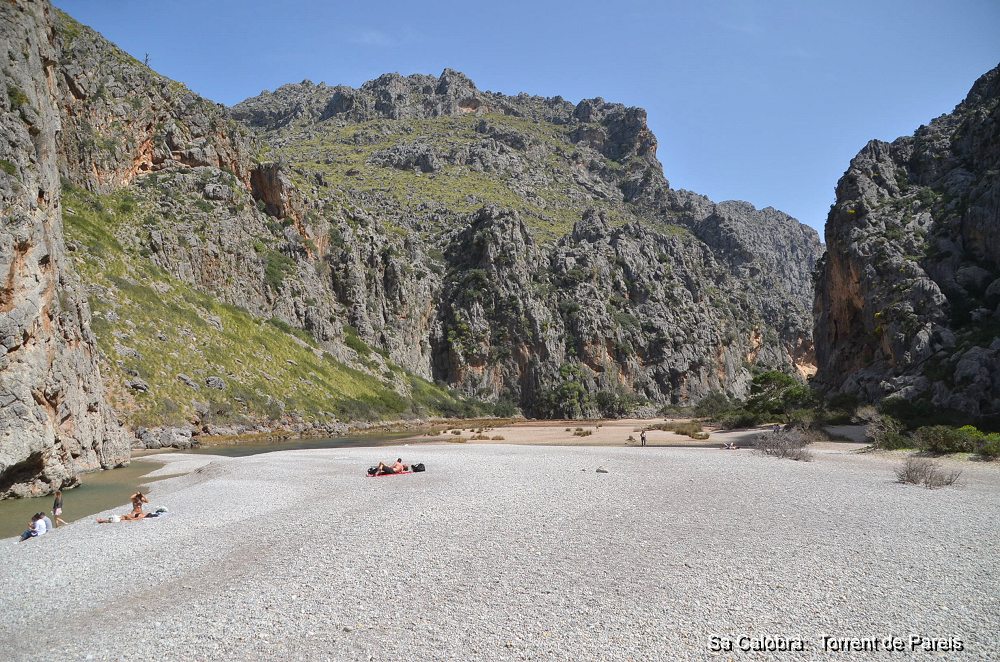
{"x": 321, "y": 253}
{"x": 908, "y": 299}
{"x": 551, "y": 242}
{"x": 54, "y": 421}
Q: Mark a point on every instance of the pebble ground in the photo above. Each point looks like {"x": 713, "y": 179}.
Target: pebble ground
{"x": 516, "y": 553}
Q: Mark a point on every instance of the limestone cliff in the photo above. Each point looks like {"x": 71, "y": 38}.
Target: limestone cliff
{"x": 54, "y": 421}
{"x": 908, "y": 298}
{"x": 318, "y": 254}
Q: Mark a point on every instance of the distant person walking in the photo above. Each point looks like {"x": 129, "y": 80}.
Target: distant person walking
{"x": 57, "y": 506}
{"x": 642, "y": 437}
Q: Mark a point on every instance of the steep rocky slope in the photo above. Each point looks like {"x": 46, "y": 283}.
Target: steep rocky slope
{"x": 319, "y": 254}
{"x": 548, "y": 240}
{"x": 908, "y": 299}
{"x": 54, "y": 420}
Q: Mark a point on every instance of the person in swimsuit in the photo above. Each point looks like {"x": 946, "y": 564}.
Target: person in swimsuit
{"x": 137, "y": 500}
{"x": 397, "y": 467}
{"x": 57, "y": 509}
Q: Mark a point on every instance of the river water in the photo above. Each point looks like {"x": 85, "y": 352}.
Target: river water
{"x": 102, "y": 490}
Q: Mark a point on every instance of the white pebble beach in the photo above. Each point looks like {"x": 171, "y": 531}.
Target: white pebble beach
{"x": 507, "y": 552}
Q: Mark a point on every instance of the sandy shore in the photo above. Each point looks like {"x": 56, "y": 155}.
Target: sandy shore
{"x": 620, "y": 432}
{"x": 513, "y": 552}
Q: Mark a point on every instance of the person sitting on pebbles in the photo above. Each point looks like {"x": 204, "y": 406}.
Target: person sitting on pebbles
{"x": 137, "y": 500}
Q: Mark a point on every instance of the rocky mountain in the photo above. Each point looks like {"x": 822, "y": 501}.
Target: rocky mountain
{"x": 552, "y": 243}
{"x": 54, "y": 420}
{"x": 908, "y": 297}
{"x": 323, "y": 254}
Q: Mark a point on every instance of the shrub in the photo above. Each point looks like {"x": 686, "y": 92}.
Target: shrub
{"x": 941, "y": 439}
{"x": 883, "y": 430}
{"x": 582, "y": 433}
{"x": 712, "y": 405}
{"x": 920, "y": 471}
{"x": 986, "y": 445}
{"x": 16, "y": 97}
{"x": 738, "y": 418}
{"x": 788, "y": 444}
{"x": 497, "y": 438}
{"x": 479, "y": 437}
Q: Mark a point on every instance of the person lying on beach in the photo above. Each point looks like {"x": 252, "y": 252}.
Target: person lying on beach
{"x": 729, "y": 446}
{"x": 397, "y": 467}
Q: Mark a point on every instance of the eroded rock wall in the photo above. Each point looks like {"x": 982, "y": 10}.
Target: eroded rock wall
{"x": 54, "y": 421}
{"x": 908, "y": 298}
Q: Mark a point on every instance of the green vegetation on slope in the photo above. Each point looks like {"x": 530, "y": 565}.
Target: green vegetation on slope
{"x": 541, "y": 184}
{"x": 154, "y": 328}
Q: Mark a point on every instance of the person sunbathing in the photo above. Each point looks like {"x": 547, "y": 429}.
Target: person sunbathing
{"x": 137, "y": 500}
{"x": 395, "y": 468}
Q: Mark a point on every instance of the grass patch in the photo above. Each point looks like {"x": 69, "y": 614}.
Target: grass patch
{"x": 270, "y": 368}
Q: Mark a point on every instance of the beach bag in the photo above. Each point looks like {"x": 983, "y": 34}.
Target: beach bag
{"x": 372, "y": 471}
{"x": 417, "y": 467}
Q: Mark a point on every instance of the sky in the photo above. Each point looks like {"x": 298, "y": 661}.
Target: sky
{"x": 764, "y": 101}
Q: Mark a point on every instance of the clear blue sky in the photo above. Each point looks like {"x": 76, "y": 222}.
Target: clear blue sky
{"x": 761, "y": 101}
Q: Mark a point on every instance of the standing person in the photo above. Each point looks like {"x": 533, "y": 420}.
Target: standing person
{"x": 57, "y": 509}
{"x": 642, "y": 437}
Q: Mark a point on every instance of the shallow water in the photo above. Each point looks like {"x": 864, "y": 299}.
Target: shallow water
{"x": 102, "y": 490}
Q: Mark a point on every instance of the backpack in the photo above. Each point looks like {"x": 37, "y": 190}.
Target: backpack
{"x": 417, "y": 467}
{"x": 372, "y": 471}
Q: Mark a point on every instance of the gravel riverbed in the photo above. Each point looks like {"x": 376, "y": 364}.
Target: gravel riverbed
{"x": 515, "y": 552}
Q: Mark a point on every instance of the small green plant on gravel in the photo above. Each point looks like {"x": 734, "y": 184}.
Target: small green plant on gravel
{"x": 8, "y": 167}
{"x": 691, "y": 429}
{"x": 921, "y": 471}
{"x": 788, "y": 444}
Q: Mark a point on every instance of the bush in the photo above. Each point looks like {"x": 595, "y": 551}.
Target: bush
{"x": 919, "y": 471}
{"x": 986, "y": 445}
{"x": 738, "y": 418}
{"x": 884, "y": 430}
{"x": 788, "y": 444}
{"x": 713, "y": 405}
{"x": 941, "y": 439}
{"x": 692, "y": 429}
{"x": 582, "y": 433}
{"x": 617, "y": 404}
